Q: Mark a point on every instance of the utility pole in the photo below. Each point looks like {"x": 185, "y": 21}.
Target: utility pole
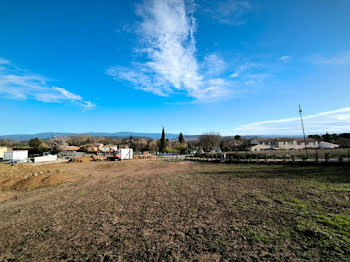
{"x": 302, "y": 125}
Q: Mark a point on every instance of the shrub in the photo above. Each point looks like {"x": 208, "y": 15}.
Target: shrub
{"x": 170, "y": 150}
{"x": 326, "y": 157}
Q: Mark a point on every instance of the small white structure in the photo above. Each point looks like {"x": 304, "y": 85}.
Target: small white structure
{"x": 18, "y": 155}
{"x": 323, "y": 144}
{"x": 126, "y": 153}
{"x": 46, "y": 158}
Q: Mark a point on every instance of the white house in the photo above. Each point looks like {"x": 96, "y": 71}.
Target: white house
{"x": 261, "y": 144}
{"x": 18, "y": 155}
{"x": 311, "y": 143}
{"x": 323, "y": 144}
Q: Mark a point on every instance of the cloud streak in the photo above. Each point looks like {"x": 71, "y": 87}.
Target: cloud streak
{"x": 338, "y": 59}
{"x": 336, "y": 121}
{"x": 285, "y": 58}
{"x": 18, "y": 84}
{"x": 169, "y": 63}
{"x": 230, "y": 12}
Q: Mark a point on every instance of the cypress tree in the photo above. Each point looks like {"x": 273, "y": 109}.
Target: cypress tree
{"x": 162, "y": 142}
{"x": 181, "y": 138}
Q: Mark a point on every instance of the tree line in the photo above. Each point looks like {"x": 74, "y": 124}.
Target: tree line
{"x": 342, "y": 139}
{"x": 206, "y": 142}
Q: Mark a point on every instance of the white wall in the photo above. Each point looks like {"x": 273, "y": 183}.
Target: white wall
{"x": 126, "y": 153}
{"x": 39, "y": 159}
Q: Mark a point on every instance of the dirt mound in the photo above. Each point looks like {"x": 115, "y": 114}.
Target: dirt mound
{"x": 23, "y": 183}
{"x": 145, "y": 157}
{"x": 97, "y": 158}
{"x": 84, "y": 159}
{"x": 19, "y": 170}
{"x": 26, "y": 176}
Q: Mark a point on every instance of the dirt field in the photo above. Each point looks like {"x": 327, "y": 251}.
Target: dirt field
{"x": 174, "y": 211}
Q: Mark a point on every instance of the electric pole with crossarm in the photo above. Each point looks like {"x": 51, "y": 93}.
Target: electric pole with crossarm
{"x": 302, "y": 125}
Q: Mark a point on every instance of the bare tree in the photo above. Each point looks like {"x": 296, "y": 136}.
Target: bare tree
{"x": 57, "y": 144}
{"x": 209, "y": 141}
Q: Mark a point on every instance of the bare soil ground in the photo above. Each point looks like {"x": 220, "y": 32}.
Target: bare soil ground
{"x": 174, "y": 211}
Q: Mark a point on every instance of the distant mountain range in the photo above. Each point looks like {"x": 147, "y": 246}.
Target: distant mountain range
{"x": 49, "y": 135}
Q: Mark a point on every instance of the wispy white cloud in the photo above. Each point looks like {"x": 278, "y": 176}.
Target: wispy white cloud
{"x": 214, "y": 65}
{"x": 229, "y": 12}
{"x": 336, "y": 121}
{"x": 285, "y": 58}
{"x": 250, "y": 74}
{"x": 342, "y": 58}
{"x": 250, "y": 82}
{"x": 167, "y": 34}
{"x": 19, "y": 84}
{"x": 244, "y": 68}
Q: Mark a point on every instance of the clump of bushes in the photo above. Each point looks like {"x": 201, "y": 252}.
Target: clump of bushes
{"x": 326, "y": 157}
{"x": 304, "y": 157}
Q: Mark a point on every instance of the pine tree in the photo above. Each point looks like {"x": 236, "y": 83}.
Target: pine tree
{"x": 181, "y": 138}
{"x": 162, "y": 142}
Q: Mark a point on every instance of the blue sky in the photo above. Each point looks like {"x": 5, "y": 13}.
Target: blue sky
{"x": 233, "y": 67}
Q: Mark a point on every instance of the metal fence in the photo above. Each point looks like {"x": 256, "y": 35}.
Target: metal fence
{"x": 254, "y": 158}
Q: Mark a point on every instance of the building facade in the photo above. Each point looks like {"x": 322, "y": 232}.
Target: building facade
{"x": 261, "y": 144}
{"x": 3, "y": 149}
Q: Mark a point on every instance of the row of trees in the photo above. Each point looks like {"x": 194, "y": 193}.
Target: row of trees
{"x": 341, "y": 139}
{"x": 206, "y": 142}
{"x": 37, "y": 146}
